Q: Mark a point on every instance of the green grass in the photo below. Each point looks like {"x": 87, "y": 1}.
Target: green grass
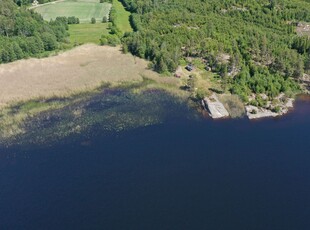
{"x": 87, "y": 33}
{"x": 122, "y": 21}
{"x": 82, "y": 9}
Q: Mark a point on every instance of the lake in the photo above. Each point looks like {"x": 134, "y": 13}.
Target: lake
{"x": 184, "y": 172}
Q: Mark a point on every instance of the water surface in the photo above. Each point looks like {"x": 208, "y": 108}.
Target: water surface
{"x": 180, "y": 173}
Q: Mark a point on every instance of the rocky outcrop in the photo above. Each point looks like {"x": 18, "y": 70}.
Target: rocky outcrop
{"x": 282, "y": 107}
{"x": 215, "y": 108}
{"x": 254, "y": 112}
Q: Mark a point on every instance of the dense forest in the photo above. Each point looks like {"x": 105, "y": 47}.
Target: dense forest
{"x": 253, "y": 40}
{"x": 24, "y": 33}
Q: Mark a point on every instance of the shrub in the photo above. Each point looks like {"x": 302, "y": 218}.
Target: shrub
{"x": 110, "y": 39}
{"x": 254, "y": 111}
{"x": 104, "y": 19}
{"x": 93, "y": 20}
{"x": 200, "y": 94}
{"x": 260, "y": 101}
{"x": 276, "y": 109}
{"x": 73, "y": 20}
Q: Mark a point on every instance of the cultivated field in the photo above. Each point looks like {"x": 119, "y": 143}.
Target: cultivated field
{"x": 82, "y": 68}
{"x": 82, "y": 9}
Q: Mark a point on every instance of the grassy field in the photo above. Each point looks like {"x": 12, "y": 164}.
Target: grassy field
{"x": 122, "y": 17}
{"x": 82, "y": 9}
{"x": 87, "y": 33}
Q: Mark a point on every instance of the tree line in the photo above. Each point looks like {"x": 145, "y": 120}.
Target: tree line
{"x": 24, "y": 33}
{"x": 115, "y": 34}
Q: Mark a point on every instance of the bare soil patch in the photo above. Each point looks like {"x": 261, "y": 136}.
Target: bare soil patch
{"x": 81, "y": 68}
{"x": 303, "y": 29}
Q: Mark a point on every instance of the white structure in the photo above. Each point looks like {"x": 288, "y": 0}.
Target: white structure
{"x": 35, "y": 3}
{"x": 215, "y": 108}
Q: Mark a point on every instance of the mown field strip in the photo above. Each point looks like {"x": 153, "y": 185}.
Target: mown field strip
{"x": 87, "y": 33}
{"x": 122, "y": 20}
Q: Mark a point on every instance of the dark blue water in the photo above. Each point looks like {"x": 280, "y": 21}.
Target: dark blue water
{"x": 182, "y": 174}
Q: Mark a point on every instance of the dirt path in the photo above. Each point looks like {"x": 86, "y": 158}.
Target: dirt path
{"x": 82, "y": 68}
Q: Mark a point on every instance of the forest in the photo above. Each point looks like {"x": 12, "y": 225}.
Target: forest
{"x": 24, "y": 33}
{"x": 265, "y": 54}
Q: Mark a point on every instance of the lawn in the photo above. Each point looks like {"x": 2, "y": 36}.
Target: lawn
{"x": 82, "y": 9}
{"x": 87, "y": 33}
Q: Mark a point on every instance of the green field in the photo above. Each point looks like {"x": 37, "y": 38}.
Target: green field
{"x": 82, "y": 9}
{"x": 87, "y": 33}
{"x": 122, "y": 21}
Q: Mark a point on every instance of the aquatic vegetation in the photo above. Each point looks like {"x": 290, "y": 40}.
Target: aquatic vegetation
{"x": 13, "y": 117}
{"x": 108, "y": 109}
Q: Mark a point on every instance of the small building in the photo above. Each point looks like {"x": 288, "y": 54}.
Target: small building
{"x": 189, "y": 67}
{"x": 35, "y": 3}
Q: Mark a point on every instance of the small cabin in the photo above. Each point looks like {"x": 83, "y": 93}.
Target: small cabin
{"x": 189, "y": 67}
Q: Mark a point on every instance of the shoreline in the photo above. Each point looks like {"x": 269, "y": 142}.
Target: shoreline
{"x": 33, "y": 86}
{"x": 217, "y": 110}
{"x": 22, "y": 118}
{"x": 85, "y": 69}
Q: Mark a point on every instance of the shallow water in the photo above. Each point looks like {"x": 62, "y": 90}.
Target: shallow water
{"x": 178, "y": 173}
{"x": 104, "y": 111}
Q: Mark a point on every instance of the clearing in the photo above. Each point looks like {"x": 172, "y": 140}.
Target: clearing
{"x": 122, "y": 17}
{"x": 87, "y": 33}
{"x": 303, "y": 29}
{"x": 82, "y": 9}
{"x": 82, "y": 68}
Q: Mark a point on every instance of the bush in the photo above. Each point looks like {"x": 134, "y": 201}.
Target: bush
{"x": 93, "y": 21}
{"x": 115, "y": 30}
{"x": 200, "y": 94}
{"x": 276, "y": 109}
{"x": 73, "y": 20}
{"x": 63, "y": 20}
{"x": 104, "y": 19}
{"x": 253, "y": 111}
{"x": 110, "y": 39}
{"x": 260, "y": 101}
{"x": 253, "y": 102}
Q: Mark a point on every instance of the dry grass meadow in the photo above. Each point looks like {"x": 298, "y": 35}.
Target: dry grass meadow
{"x": 82, "y": 68}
